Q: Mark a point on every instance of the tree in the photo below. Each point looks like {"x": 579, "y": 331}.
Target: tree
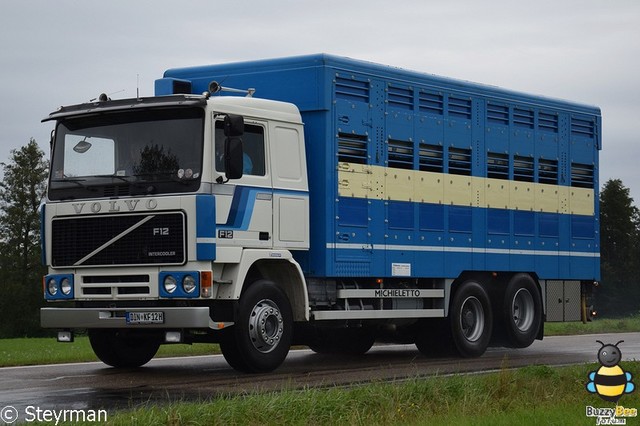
{"x": 21, "y": 191}
{"x": 619, "y": 250}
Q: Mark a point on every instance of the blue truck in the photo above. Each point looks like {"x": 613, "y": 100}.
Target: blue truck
{"x": 323, "y": 201}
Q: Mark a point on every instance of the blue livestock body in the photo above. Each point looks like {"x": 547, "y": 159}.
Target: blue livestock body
{"x": 416, "y": 175}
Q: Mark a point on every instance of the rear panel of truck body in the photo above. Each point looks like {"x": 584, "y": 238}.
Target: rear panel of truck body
{"x": 414, "y": 175}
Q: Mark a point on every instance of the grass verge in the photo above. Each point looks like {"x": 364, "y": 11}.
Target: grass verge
{"x": 46, "y": 350}
{"x": 531, "y": 395}
{"x": 600, "y": 325}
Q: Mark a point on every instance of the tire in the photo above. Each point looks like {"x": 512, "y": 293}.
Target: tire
{"x": 260, "y": 339}
{"x": 471, "y": 320}
{"x": 342, "y": 341}
{"x": 118, "y": 350}
{"x": 522, "y": 310}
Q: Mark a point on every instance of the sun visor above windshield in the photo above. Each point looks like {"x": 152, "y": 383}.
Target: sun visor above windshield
{"x": 127, "y": 104}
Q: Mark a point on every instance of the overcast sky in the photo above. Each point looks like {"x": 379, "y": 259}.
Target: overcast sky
{"x": 63, "y": 52}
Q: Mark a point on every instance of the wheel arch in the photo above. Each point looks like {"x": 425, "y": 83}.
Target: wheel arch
{"x": 481, "y": 277}
{"x": 277, "y": 266}
{"x": 494, "y": 282}
{"x": 288, "y": 276}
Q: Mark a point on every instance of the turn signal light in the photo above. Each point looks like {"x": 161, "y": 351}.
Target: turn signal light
{"x": 206, "y": 284}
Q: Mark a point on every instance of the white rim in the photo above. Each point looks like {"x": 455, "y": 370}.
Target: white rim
{"x": 472, "y": 319}
{"x": 265, "y": 326}
{"x": 522, "y": 309}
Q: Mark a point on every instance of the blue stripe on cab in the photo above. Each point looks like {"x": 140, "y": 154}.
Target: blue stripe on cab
{"x": 205, "y": 227}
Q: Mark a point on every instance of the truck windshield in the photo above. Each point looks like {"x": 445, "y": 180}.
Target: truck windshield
{"x": 127, "y": 153}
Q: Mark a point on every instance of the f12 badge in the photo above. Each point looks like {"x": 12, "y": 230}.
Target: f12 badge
{"x": 225, "y": 233}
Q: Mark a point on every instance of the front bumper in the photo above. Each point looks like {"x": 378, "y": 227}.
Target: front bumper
{"x": 70, "y": 318}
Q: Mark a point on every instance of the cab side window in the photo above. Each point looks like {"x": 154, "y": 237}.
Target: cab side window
{"x": 252, "y": 146}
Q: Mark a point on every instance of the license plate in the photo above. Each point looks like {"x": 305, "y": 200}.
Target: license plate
{"x": 145, "y": 317}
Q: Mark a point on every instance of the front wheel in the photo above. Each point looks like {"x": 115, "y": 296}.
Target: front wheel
{"x": 471, "y": 319}
{"x": 117, "y": 349}
{"x": 260, "y": 339}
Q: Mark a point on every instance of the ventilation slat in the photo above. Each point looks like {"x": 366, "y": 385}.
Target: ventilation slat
{"x": 459, "y": 107}
{"x": 401, "y": 98}
{"x": 582, "y": 175}
{"x": 352, "y": 148}
{"x": 497, "y": 165}
{"x": 431, "y": 158}
{"x": 523, "y": 168}
{"x": 460, "y": 161}
{"x": 400, "y": 154}
{"x": 584, "y": 128}
{"x": 352, "y": 90}
{"x": 548, "y": 171}
{"x": 498, "y": 114}
{"x": 548, "y": 122}
{"x": 431, "y": 103}
{"x": 523, "y": 118}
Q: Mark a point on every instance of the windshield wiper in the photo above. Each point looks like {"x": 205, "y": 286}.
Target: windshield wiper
{"x": 167, "y": 177}
{"x": 148, "y": 189}
{"x": 76, "y": 181}
{"x": 121, "y": 178}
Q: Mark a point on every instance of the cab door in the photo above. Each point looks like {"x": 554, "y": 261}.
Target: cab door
{"x": 244, "y": 207}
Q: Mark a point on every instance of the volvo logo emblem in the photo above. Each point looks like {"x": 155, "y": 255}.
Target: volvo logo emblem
{"x": 115, "y": 206}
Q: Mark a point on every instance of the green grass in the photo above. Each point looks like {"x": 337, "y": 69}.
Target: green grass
{"x": 531, "y": 395}
{"x": 600, "y": 325}
{"x": 33, "y": 351}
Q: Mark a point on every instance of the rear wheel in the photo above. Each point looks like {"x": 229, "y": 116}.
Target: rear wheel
{"x": 522, "y": 311}
{"x": 260, "y": 339}
{"x": 117, "y": 349}
{"x": 471, "y": 319}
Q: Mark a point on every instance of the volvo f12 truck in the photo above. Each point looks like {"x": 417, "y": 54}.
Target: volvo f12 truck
{"x": 321, "y": 201}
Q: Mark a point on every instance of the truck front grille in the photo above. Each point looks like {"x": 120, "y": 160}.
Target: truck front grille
{"x": 127, "y": 239}
{"x": 113, "y": 286}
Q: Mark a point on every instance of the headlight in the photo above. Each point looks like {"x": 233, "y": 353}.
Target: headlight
{"x": 52, "y": 287}
{"x": 188, "y": 284}
{"x": 65, "y": 286}
{"x": 170, "y": 284}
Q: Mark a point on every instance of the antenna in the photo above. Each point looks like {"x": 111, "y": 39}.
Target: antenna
{"x": 137, "y": 86}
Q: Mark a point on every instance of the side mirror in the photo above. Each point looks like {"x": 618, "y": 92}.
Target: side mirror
{"x": 233, "y": 157}
{"x": 233, "y": 125}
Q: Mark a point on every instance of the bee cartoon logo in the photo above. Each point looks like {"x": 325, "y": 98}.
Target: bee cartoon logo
{"x": 610, "y": 381}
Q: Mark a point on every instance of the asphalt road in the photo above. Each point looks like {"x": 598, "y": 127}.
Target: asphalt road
{"x": 95, "y": 386}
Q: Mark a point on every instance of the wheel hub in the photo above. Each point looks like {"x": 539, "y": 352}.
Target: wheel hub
{"x": 522, "y": 310}
{"x": 265, "y": 326}
{"x": 472, "y": 319}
